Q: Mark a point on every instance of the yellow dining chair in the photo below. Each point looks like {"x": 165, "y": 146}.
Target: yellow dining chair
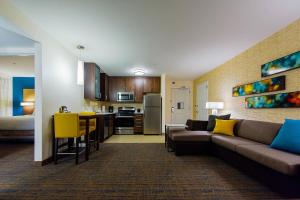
{"x": 67, "y": 126}
{"x": 92, "y": 127}
{"x": 92, "y": 121}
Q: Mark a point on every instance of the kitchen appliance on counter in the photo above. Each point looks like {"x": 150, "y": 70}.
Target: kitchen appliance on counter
{"x": 125, "y": 120}
{"x": 152, "y": 114}
{"x": 110, "y": 109}
{"x": 125, "y": 97}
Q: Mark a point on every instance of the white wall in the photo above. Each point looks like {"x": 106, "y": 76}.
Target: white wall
{"x": 17, "y": 66}
{"x": 163, "y": 101}
{"x": 55, "y": 78}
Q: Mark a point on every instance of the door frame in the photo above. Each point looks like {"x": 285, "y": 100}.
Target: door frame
{"x": 36, "y": 51}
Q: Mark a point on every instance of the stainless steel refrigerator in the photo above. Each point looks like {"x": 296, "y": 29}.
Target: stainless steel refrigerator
{"x": 152, "y": 114}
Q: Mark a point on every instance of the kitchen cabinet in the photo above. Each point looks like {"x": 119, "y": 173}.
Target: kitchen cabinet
{"x": 106, "y": 126}
{"x": 138, "y": 123}
{"x": 139, "y": 89}
{"x": 151, "y": 84}
{"x": 104, "y": 87}
{"x": 92, "y": 81}
{"x": 116, "y": 84}
{"x": 138, "y": 85}
{"x": 129, "y": 84}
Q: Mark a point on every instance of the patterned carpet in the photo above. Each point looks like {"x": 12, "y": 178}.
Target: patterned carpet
{"x": 124, "y": 171}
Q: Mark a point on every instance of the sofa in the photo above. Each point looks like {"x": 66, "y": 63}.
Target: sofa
{"x": 249, "y": 150}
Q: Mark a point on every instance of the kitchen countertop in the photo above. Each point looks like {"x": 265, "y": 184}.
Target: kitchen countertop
{"x": 106, "y": 113}
{"x": 113, "y": 113}
{"x": 136, "y": 113}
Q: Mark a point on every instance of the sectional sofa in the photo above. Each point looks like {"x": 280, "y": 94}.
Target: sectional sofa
{"x": 249, "y": 150}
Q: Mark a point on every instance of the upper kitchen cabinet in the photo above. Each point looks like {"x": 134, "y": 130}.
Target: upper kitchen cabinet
{"x": 116, "y": 84}
{"x": 104, "y": 88}
{"x": 139, "y": 89}
{"x": 137, "y": 85}
{"x": 130, "y": 84}
{"x": 151, "y": 84}
{"x": 92, "y": 81}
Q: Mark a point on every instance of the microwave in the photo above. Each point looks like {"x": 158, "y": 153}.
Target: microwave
{"x": 125, "y": 97}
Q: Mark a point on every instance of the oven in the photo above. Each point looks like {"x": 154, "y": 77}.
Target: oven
{"x": 125, "y": 97}
{"x": 125, "y": 120}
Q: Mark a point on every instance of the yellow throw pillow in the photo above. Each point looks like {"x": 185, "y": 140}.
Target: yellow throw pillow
{"x": 224, "y": 127}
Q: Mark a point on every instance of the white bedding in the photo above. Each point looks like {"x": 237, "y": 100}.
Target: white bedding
{"x": 25, "y": 122}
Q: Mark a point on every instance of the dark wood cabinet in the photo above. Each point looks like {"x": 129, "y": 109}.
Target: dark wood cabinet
{"x": 106, "y": 126}
{"x": 104, "y": 87}
{"x": 92, "y": 81}
{"x": 111, "y": 125}
{"x": 139, "y": 89}
{"x": 138, "y": 85}
{"x": 116, "y": 84}
{"x": 129, "y": 84}
{"x": 151, "y": 84}
{"x": 138, "y": 124}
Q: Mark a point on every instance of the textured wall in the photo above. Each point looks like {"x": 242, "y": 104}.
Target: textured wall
{"x": 245, "y": 68}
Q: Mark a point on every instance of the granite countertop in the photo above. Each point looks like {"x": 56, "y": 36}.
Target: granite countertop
{"x": 106, "y": 113}
{"x": 137, "y": 113}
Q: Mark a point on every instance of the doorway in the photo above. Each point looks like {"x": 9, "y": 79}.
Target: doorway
{"x": 180, "y": 105}
{"x": 201, "y": 99}
{"x": 20, "y": 63}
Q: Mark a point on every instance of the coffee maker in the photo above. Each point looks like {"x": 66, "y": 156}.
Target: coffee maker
{"x": 110, "y": 109}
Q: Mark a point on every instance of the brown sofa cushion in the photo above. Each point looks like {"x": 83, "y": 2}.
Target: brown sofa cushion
{"x": 230, "y": 142}
{"x": 281, "y": 161}
{"x": 263, "y": 132}
{"x": 191, "y": 136}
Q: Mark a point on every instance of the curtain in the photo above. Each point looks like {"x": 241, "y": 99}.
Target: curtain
{"x": 5, "y": 96}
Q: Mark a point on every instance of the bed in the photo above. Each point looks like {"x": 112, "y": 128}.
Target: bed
{"x": 17, "y": 127}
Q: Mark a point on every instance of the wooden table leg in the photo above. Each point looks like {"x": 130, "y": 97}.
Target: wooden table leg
{"x": 165, "y": 135}
{"x": 97, "y": 134}
{"x": 87, "y": 139}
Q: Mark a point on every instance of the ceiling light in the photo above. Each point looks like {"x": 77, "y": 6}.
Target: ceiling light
{"x": 80, "y": 67}
{"x": 80, "y": 72}
{"x": 139, "y": 72}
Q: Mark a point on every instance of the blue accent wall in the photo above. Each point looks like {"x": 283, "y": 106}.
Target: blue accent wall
{"x": 18, "y": 84}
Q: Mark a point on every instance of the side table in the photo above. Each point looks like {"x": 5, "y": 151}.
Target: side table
{"x": 167, "y": 130}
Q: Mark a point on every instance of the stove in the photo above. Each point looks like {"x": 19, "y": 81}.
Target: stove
{"x": 125, "y": 121}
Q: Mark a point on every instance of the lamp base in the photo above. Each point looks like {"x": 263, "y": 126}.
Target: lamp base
{"x": 214, "y": 111}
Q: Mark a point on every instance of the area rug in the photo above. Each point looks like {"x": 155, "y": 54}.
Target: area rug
{"x": 126, "y": 171}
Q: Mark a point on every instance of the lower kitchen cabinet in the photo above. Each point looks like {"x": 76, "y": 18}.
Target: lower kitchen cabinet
{"x": 106, "y": 126}
{"x": 138, "y": 124}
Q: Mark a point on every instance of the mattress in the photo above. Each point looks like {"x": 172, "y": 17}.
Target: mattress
{"x": 24, "y": 122}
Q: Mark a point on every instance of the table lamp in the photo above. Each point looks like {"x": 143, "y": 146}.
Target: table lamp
{"x": 214, "y": 106}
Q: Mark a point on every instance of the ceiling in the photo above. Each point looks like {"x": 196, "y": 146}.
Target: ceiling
{"x": 182, "y": 38}
{"x": 9, "y": 39}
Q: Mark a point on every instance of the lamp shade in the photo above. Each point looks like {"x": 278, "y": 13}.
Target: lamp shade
{"x": 214, "y": 105}
{"x": 80, "y": 72}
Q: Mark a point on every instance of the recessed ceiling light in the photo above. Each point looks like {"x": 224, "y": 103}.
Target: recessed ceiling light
{"x": 139, "y": 72}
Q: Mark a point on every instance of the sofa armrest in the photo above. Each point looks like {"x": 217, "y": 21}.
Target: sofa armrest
{"x": 196, "y": 125}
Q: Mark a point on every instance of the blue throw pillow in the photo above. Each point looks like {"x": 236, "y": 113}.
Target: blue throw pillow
{"x": 288, "y": 138}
